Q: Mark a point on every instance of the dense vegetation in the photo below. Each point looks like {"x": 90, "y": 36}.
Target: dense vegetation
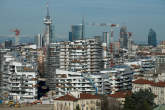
{"x": 141, "y": 100}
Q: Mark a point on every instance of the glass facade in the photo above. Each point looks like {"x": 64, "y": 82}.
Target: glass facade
{"x": 152, "y": 38}
{"x": 123, "y": 37}
{"x": 77, "y": 31}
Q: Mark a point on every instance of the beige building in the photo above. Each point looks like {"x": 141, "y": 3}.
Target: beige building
{"x": 83, "y": 101}
{"x": 157, "y": 88}
{"x": 120, "y": 96}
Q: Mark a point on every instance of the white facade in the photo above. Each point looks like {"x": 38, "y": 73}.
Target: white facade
{"x": 79, "y": 56}
{"x": 160, "y": 59}
{"x": 70, "y": 81}
{"x": 105, "y": 56}
{"x": 120, "y": 77}
{"x": 23, "y": 82}
{"x": 18, "y": 80}
{"x": 38, "y": 40}
{"x": 83, "y": 56}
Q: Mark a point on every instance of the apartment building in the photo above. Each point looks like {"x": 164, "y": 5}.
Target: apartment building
{"x": 160, "y": 59}
{"x": 67, "y": 82}
{"x": 147, "y": 64}
{"x": 2, "y": 53}
{"x": 120, "y": 77}
{"x": 109, "y": 81}
{"x": 83, "y": 56}
{"x": 157, "y": 88}
{"x": 78, "y": 56}
{"x": 19, "y": 80}
{"x": 5, "y": 75}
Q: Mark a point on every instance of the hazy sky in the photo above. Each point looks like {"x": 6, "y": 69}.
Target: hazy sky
{"x": 138, "y": 15}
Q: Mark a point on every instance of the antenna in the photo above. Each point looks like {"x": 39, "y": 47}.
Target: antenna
{"x": 83, "y": 28}
{"x": 47, "y": 7}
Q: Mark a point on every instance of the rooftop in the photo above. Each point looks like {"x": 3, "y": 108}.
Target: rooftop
{"x": 69, "y": 97}
{"x": 88, "y": 96}
{"x": 143, "y": 81}
{"x": 159, "y": 84}
{"x": 121, "y": 94}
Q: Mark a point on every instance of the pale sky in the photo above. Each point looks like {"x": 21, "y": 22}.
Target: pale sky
{"x": 138, "y": 15}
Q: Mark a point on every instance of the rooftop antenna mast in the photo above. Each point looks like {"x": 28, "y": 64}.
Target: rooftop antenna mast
{"x": 83, "y": 27}
{"x": 47, "y": 7}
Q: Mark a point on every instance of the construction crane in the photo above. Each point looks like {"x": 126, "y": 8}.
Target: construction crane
{"x": 91, "y": 82}
{"x": 110, "y": 39}
{"x": 17, "y": 33}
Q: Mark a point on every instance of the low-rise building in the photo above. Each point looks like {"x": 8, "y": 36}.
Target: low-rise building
{"x": 157, "y": 88}
{"x": 120, "y": 96}
{"x": 80, "y": 101}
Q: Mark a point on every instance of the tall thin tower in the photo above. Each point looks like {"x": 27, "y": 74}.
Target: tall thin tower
{"x": 47, "y": 37}
{"x": 83, "y": 28}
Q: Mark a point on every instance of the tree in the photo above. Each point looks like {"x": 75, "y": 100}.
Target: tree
{"x": 109, "y": 103}
{"x": 77, "y": 107}
{"x": 141, "y": 100}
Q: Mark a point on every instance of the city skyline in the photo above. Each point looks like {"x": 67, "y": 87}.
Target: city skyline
{"x": 138, "y": 15}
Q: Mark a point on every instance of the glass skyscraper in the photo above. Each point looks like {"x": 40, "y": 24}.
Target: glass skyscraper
{"x": 77, "y": 32}
{"x": 123, "y": 37}
{"x": 152, "y": 38}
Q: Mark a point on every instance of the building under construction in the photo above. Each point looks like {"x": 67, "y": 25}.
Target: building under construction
{"x": 84, "y": 56}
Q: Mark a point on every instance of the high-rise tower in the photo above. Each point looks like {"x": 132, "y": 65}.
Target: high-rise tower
{"x": 38, "y": 40}
{"x": 152, "y": 38}
{"x": 47, "y": 37}
{"x": 77, "y": 32}
{"x": 123, "y": 37}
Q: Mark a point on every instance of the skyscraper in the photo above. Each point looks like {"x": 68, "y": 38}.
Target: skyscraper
{"x": 152, "y": 38}
{"x": 77, "y": 32}
{"x": 8, "y": 43}
{"x": 47, "y": 37}
{"x": 38, "y": 40}
{"x": 123, "y": 37}
{"x": 105, "y": 37}
{"x": 70, "y": 36}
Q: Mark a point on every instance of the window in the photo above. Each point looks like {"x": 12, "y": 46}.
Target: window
{"x": 86, "y": 108}
{"x": 92, "y": 108}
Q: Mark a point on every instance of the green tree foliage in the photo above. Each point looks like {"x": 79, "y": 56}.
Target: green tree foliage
{"x": 109, "y": 103}
{"x": 141, "y": 100}
{"x": 77, "y": 107}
